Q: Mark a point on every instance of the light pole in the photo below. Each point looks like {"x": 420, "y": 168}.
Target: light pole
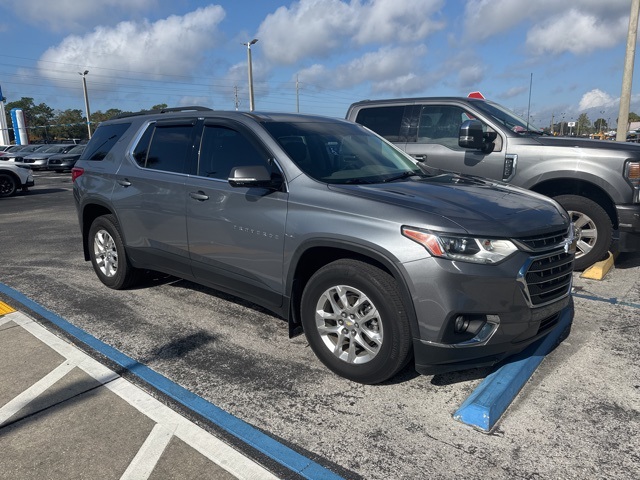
{"x": 86, "y": 98}
{"x": 248, "y": 44}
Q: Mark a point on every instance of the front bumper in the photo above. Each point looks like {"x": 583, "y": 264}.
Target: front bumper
{"x": 496, "y": 298}
{"x": 431, "y": 359}
{"x": 628, "y": 227}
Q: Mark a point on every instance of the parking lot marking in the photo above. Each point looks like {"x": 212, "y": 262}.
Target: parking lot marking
{"x": 4, "y": 309}
{"x": 205, "y": 443}
{"x": 611, "y": 300}
{"x": 22, "y": 400}
{"x": 484, "y": 407}
{"x": 271, "y": 448}
{"x": 149, "y": 454}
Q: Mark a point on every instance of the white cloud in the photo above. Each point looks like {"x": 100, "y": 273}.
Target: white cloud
{"x": 388, "y": 70}
{"x": 470, "y": 76}
{"x": 393, "y": 20}
{"x": 596, "y": 99}
{"x": 61, "y": 14}
{"x": 579, "y": 26}
{"x": 514, "y": 92}
{"x": 170, "y": 46}
{"x": 318, "y": 28}
{"x": 576, "y": 32}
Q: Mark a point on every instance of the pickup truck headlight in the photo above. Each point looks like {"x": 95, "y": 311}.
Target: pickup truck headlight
{"x": 463, "y": 248}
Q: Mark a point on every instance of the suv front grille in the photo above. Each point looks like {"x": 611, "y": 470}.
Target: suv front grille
{"x": 547, "y": 278}
{"x": 546, "y": 242}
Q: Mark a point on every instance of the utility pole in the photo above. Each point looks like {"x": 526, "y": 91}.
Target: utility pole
{"x": 86, "y": 99}
{"x": 297, "y": 95}
{"x": 250, "y": 68}
{"x": 627, "y": 76}
{"x": 237, "y": 100}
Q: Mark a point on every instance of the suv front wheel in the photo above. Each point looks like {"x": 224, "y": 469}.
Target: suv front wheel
{"x": 355, "y": 321}
{"x": 108, "y": 256}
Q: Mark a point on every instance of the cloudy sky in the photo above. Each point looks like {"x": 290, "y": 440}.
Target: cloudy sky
{"x": 317, "y": 56}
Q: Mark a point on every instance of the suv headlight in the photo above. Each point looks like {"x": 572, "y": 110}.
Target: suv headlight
{"x": 463, "y": 248}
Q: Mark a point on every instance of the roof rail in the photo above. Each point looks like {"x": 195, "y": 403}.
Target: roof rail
{"x": 165, "y": 110}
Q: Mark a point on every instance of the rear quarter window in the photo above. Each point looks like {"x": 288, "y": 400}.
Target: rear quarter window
{"x": 385, "y": 121}
{"x": 103, "y": 140}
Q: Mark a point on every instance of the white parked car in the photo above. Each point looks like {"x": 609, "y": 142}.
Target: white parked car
{"x": 13, "y": 178}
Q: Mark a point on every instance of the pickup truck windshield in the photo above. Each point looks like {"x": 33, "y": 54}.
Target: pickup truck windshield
{"x": 507, "y": 118}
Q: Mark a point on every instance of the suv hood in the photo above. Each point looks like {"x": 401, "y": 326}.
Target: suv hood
{"x": 478, "y": 206}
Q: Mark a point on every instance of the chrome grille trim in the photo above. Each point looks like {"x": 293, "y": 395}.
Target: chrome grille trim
{"x": 543, "y": 243}
{"x": 547, "y": 278}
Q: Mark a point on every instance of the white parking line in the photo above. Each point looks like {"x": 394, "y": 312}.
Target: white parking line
{"x": 149, "y": 454}
{"x": 170, "y": 423}
{"x": 33, "y": 392}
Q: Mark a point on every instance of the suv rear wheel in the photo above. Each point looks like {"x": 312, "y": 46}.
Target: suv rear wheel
{"x": 108, "y": 256}
{"x": 355, "y": 321}
{"x": 593, "y": 229}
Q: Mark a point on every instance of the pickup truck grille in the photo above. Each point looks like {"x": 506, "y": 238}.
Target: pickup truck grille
{"x": 547, "y": 278}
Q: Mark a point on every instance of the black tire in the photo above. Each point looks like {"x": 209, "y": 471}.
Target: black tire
{"x": 108, "y": 255}
{"x": 380, "y": 321}
{"x": 593, "y": 228}
{"x": 8, "y": 185}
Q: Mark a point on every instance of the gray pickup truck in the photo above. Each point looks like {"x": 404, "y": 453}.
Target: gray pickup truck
{"x": 597, "y": 182}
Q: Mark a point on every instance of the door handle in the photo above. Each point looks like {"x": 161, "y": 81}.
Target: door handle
{"x": 125, "y": 182}
{"x": 199, "y": 195}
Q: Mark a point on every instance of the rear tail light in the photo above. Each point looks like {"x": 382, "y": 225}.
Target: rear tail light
{"x": 76, "y": 172}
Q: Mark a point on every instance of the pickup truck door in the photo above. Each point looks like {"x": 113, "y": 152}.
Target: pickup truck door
{"x": 436, "y": 142}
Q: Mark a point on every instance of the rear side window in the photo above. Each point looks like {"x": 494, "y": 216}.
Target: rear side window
{"x": 385, "y": 121}
{"x": 103, "y": 140}
{"x": 165, "y": 146}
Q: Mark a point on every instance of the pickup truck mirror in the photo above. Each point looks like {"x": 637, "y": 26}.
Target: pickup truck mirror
{"x": 471, "y": 135}
{"x": 253, "y": 176}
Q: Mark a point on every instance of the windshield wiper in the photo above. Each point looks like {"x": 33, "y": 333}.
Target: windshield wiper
{"x": 402, "y": 176}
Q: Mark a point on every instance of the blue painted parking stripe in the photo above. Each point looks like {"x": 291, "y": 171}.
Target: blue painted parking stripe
{"x": 612, "y": 301}
{"x": 263, "y": 443}
{"x": 492, "y": 397}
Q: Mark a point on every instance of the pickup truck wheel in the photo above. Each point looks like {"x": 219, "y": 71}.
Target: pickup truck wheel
{"x": 593, "y": 228}
{"x": 8, "y": 185}
{"x": 355, "y": 321}
{"x": 108, "y": 256}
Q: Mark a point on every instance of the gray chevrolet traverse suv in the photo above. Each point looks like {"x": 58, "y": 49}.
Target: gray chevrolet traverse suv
{"x": 377, "y": 259}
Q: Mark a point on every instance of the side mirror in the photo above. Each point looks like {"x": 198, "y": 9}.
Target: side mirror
{"x": 471, "y": 135}
{"x": 252, "y": 176}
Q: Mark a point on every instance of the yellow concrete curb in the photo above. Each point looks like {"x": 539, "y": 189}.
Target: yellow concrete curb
{"x": 598, "y": 270}
{"x": 4, "y": 309}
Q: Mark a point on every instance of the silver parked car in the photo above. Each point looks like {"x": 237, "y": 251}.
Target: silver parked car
{"x": 379, "y": 260}
{"x": 64, "y": 162}
{"x": 38, "y": 159}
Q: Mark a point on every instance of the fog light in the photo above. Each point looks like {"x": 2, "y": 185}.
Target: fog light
{"x": 461, "y": 324}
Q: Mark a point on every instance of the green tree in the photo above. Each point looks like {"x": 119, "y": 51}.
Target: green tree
{"x": 98, "y": 116}
{"x": 583, "y": 125}
{"x": 69, "y": 123}
{"x": 634, "y": 117}
{"x": 37, "y": 117}
{"x": 600, "y": 125}
{"x": 160, "y": 106}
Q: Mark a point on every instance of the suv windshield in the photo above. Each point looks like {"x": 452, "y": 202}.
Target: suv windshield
{"x": 341, "y": 152}
{"x": 507, "y": 118}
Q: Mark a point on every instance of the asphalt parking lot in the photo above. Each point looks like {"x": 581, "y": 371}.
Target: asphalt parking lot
{"x": 577, "y": 417}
